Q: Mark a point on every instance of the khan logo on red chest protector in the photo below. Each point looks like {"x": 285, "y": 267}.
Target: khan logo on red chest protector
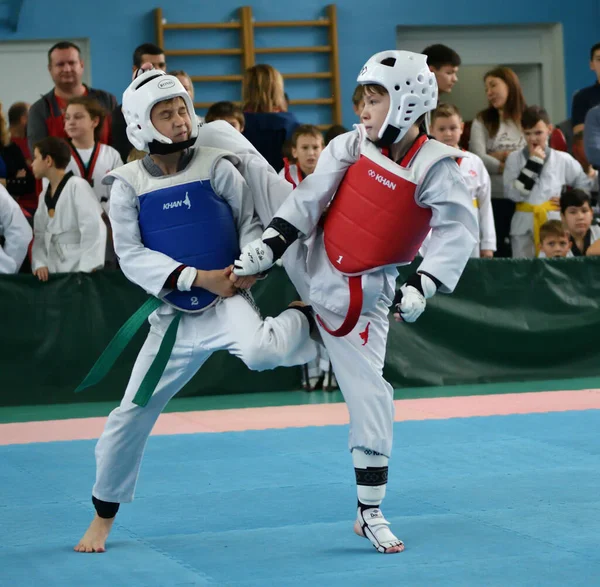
{"x": 382, "y": 180}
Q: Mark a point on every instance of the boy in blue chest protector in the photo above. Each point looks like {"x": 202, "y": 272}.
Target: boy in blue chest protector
{"x": 180, "y": 217}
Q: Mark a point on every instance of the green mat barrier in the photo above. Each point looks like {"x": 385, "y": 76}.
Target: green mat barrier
{"x": 509, "y": 320}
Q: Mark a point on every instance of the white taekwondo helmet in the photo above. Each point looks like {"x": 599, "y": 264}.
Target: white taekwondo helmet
{"x": 412, "y": 88}
{"x": 146, "y": 90}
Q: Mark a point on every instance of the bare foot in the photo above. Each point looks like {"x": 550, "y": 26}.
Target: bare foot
{"x": 380, "y": 535}
{"x": 94, "y": 540}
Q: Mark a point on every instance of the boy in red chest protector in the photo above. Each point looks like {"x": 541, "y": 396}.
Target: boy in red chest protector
{"x": 388, "y": 185}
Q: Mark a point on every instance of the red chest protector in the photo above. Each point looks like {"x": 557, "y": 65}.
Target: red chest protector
{"x": 374, "y": 219}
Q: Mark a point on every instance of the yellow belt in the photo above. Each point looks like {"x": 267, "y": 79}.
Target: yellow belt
{"x": 476, "y": 202}
{"x": 540, "y": 215}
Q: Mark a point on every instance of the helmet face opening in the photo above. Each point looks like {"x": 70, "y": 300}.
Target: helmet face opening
{"x": 412, "y": 88}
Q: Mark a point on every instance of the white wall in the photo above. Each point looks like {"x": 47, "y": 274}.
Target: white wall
{"x": 24, "y": 67}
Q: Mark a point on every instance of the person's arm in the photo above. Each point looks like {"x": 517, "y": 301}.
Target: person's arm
{"x": 477, "y": 145}
{"x": 487, "y": 230}
{"x": 17, "y": 234}
{"x": 305, "y": 205}
{"x": 576, "y": 177}
{"x": 39, "y": 252}
{"x": 91, "y": 227}
{"x": 520, "y": 179}
{"x": 302, "y": 209}
{"x": 454, "y": 228}
{"x": 231, "y": 186}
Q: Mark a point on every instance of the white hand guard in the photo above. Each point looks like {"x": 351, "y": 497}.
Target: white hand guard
{"x": 410, "y": 302}
{"x": 256, "y": 257}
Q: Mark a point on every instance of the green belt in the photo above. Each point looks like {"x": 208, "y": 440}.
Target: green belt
{"x": 117, "y": 345}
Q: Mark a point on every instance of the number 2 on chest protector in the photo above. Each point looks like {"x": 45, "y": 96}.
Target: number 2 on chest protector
{"x": 194, "y": 301}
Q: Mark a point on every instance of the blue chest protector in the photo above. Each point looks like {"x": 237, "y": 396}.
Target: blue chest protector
{"x": 194, "y": 226}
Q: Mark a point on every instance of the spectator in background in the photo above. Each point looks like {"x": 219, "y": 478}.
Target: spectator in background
{"x": 15, "y": 174}
{"x": 444, "y": 63}
{"x": 554, "y": 240}
{"x": 46, "y": 116}
{"x": 334, "y": 131}
{"x": 583, "y": 101}
{"x": 15, "y": 233}
{"x": 586, "y": 98}
{"x": 185, "y": 79}
{"x": 577, "y": 215}
{"x": 306, "y": 146}
{"x": 144, "y": 53}
{"x": 90, "y": 159}
{"x": 446, "y": 127}
{"x": 227, "y": 111}
{"x": 495, "y": 133}
{"x": 591, "y": 137}
{"x": 18, "y": 114}
{"x": 268, "y": 126}
{"x": 534, "y": 177}
{"x": 358, "y": 101}
{"x": 69, "y": 234}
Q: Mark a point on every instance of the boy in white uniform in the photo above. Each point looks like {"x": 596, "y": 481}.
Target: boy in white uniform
{"x": 69, "y": 233}
{"x": 534, "y": 177}
{"x": 382, "y": 210}
{"x": 16, "y": 232}
{"x": 179, "y": 219}
{"x": 447, "y": 127}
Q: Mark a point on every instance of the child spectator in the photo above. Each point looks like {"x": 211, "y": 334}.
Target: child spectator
{"x": 444, "y": 62}
{"x": 534, "y": 178}
{"x": 447, "y": 127}
{"x": 227, "y": 111}
{"x": 306, "y": 146}
{"x": 577, "y": 215}
{"x": 15, "y": 174}
{"x": 69, "y": 234}
{"x": 554, "y": 240}
{"x": 18, "y": 114}
{"x": 90, "y": 158}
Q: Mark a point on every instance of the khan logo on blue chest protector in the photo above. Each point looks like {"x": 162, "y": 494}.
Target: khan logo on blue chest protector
{"x": 178, "y": 203}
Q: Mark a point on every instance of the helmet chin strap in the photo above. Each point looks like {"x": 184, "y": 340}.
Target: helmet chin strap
{"x": 390, "y": 134}
{"x": 158, "y": 148}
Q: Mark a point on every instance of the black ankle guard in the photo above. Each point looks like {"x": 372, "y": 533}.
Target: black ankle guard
{"x": 371, "y": 476}
{"x": 105, "y": 509}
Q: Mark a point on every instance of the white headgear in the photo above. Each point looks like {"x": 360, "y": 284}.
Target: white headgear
{"x": 412, "y": 88}
{"x": 143, "y": 93}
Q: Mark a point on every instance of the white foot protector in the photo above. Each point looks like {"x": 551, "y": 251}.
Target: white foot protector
{"x": 371, "y": 524}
